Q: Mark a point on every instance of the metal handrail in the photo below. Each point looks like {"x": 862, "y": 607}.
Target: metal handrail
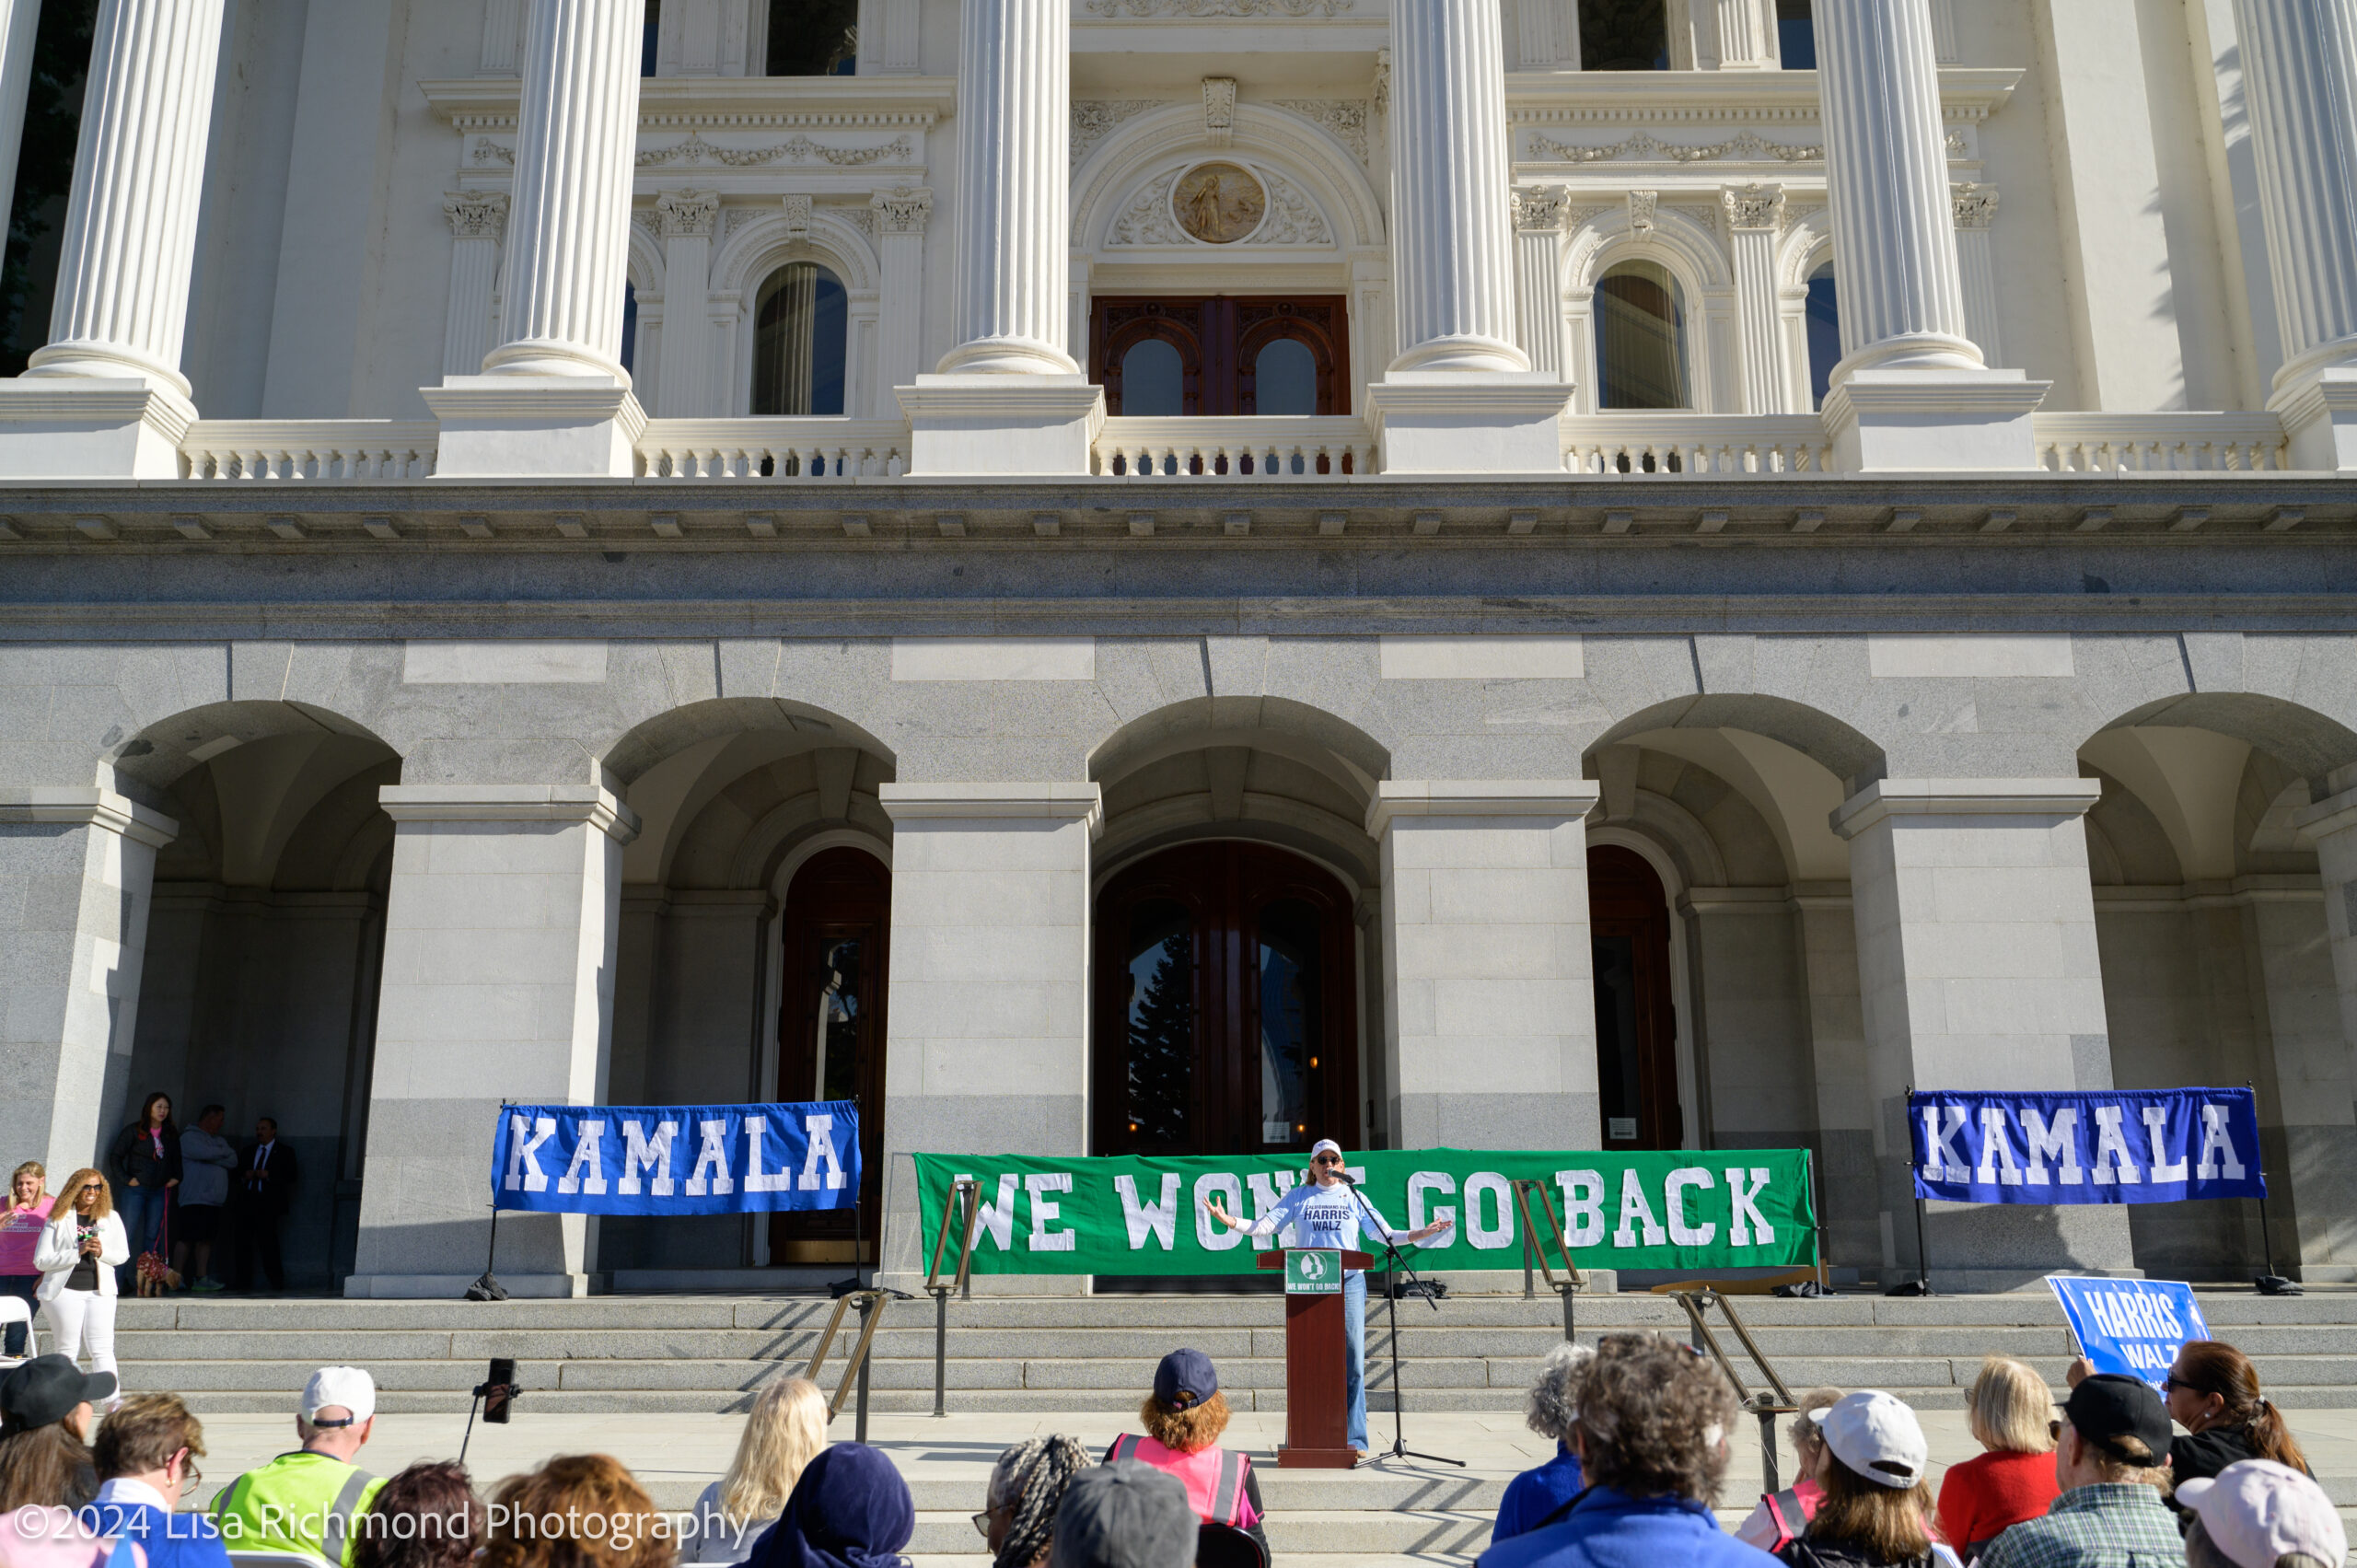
{"x": 1575, "y": 1280}
{"x": 871, "y": 1311}
{"x": 965, "y": 1196}
{"x": 1764, "y": 1405}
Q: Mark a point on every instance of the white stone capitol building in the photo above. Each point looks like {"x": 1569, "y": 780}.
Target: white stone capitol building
{"x": 1178, "y": 576}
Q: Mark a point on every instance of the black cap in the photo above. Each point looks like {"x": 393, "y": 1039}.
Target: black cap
{"x": 45, "y": 1390}
{"x": 1185, "y": 1379}
{"x": 2110, "y": 1405}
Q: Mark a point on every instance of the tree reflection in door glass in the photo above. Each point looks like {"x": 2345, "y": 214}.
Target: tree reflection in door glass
{"x": 1289, "y": 1023}
{"x": 838, "y": 1073}
{"x": 1162, "y": 1021}
{"x": 1618, "y": 1071}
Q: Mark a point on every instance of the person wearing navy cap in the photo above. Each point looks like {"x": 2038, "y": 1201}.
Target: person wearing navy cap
{"x": 1184, "y": 1418}
{"x": 2111, "y": 1453}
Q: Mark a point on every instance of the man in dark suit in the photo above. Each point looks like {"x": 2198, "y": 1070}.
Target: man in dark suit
{"x": 261, "y": 1191}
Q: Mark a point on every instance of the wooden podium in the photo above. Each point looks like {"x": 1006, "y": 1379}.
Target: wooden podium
{"x": 1316, "y": 1373}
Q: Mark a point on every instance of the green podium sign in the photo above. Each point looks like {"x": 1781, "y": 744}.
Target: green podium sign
{"x": 1313, "y": 1270}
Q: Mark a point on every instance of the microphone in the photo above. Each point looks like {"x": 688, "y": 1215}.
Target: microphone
{"x": 1346, "y": 1178}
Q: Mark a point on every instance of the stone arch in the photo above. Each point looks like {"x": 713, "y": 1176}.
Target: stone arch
{"x": 1167, "y": 139}
{"x": 1689, "y": 249}
{"x": 2312, "y": 744}
{"x": 765, "y": 244}
{"x": 1849, "y": 754}
{"x": 642, "y": 264}
{"x": 1807, "y": 242}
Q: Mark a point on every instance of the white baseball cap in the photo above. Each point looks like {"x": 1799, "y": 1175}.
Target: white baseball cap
{"x": 1877, "y": 1435}
{"x": 1324, "y": 1143}
{"x": 345, "y": 1386}
{"x": 2258, "y": 1510}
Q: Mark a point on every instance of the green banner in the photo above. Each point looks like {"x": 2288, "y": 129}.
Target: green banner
{"x": 1688, "y": 1210}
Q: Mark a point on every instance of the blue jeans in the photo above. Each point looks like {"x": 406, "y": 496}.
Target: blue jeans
{"x": 1354, "y": 1330}
{"x": 21, "y": 1286}
{"x": 141, "y": 1209}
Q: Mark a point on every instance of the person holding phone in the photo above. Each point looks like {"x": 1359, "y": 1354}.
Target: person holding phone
{"x": 1329, "y": 1212}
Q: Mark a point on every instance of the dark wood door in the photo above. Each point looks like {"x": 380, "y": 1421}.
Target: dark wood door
{"x": 1226, "y": 1020}
{"x": 1219, "y": 340}
{"x": 830, "y": 1035}
{"x": 1636, "y": 1024}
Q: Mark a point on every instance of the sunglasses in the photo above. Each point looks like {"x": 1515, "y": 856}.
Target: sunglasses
{"x": 1327, "y": 1160}
{"x": 93, "y": 1187}
{"x": 2171, "y": 1383}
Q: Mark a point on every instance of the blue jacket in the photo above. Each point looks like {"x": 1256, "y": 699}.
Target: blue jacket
{"x": 170, "y": 1540}
{"x": 1535, "y": 1494}
{"x": 1607, "y": 1529}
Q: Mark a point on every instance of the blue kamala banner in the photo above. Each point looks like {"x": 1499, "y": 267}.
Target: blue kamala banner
{"x": 2131, "y": 1326}
{"x": 2157, "y": 1146}
{"x": 676, "y": 1159}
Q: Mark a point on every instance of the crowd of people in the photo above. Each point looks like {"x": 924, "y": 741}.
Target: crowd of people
{"x": 1643, "y": 1426}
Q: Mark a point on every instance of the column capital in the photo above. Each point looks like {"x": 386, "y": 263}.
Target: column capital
{"x": 93, "y": 807}
{"x": 1563, "y": 799}
{"x": 902, "y": 209}
{"x": 1887, "y": 798}
{"x": 687, "y": 214}
{"x": 1975, "y": 202}
{"x": 1542, "y": 209}
{"x": 966, "y": 802}
{"x": 476, "y": 214}
{"x": 1753, "y": 207}
{"x": 601, "y": 808}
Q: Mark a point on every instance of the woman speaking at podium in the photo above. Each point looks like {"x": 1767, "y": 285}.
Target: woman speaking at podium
{"x": 1329, "y": 1212}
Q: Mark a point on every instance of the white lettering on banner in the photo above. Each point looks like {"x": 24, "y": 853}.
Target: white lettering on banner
{"x": 994, "y": 1220}
{"x": 1158, "y": 1220}
{"x": 1582, "y": 1206}
{"x": 1265, "y": 1194}
{"x": 1945, "y": 1164}
{"x": 757, "y": 1180}
{"x": 1209, "y": 1231}
{"x": 821, "y": 1130}
{"x": 1680, "y": 1233}
{"x": 1426, "y": 1181}
{"x": 639, "y": 1154}
{"x": 1997, "y": 1164}
{"x": 1636, "y": 1214}
{"x": 523, "y": 1141}
{"x": 2061, "y": 1139}
{"x": 1044, "y": 1214}
{"x": 2215, "y": 1142}
{"x": 712, "y": 1155}
{"x": 1744, "y": 1198}
{"x": 2111, "y": 1141}
{"x": 587, "y": 1171}
{"x": 2156, "y": 1133}
{"x": 1490, "y": 1237}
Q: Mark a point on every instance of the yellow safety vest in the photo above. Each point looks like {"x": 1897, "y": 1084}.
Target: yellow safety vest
{"x": 298, "y": 1501}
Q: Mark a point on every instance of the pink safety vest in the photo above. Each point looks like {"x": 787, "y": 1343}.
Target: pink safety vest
{"x": 1214, "y": 1477}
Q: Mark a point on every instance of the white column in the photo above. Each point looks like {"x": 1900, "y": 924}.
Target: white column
{"x": 503, "y": 46}
{"x": 1977, "y": 968}
{"x": 2300, "y": 60}
{"x": 1748, "y": 35}
{"x": 105, "y": 397}
{"x": 19, "y": 20}
{"x": 1547, "y": 35}
{"x": 989, "y": 989}
{"x": 1008, "y": 298}
{"x": 76, "y": 870}
{"x": 686, "y": 219}
{"x": 1912, "y": 391}
{"x": 1975, "y": 204}
{"x": 500, "y": 934}
{"x": 900, "y": 216}
{"x": 1538, "y": 221}
{"x": 1490, "y": 1033}
{"x": 1755, "y": 219}
{"x": 478, "y": 218}
{"x": 1461, "y": 396}
{"x": 553, "y": 398}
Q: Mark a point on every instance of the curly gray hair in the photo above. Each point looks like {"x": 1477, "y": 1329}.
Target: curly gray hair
{"x": 1555, "y": 1403}
{"x": 1032, "y": 1476}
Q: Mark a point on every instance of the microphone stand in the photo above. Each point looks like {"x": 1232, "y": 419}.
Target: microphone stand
{"x": 1399, "y": 1449}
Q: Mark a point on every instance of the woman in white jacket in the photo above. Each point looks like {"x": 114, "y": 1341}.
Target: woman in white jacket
{"x": 77, "y": 1256}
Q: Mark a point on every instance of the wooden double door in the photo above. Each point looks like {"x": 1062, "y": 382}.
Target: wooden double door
{"x": 1226, "y": 1019}
{"x": 1636, "y": 1022}
{"x": 830, "y": 1034}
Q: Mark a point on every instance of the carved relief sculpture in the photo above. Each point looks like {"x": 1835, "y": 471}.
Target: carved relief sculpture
{"x": 902, "y": 210}
{"x": 1976, "y": 204}
{"x": 1753, "y": 207}
{"x": 1219, "y": 110}
{"x": 1219, "y": 204}
{"x": 476, "y": 214}
{"x": 1641, "y": 212}
{"x": 683, "y": 213}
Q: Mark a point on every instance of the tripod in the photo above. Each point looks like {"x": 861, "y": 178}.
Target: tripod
{"x": 1396, "y": 1264}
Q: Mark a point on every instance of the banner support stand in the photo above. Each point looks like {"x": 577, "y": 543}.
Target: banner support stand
{"x": 2270, "y": 1282}
{"x": 487, "y": 1287}
{"x": 1922, "y": 1248}
{"x": 1816, "y": 1213}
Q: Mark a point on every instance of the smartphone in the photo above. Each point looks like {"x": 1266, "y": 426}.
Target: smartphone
{"x": 498, "y": 1391}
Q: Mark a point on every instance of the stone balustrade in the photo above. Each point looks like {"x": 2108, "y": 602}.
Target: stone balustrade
{"x": 1675, "y": 443}
{"x": 2162, "y": 442}
{"x": 1236, "y": 448}
{"x": 773, "y": 449}
{"x": 354, "y": 450}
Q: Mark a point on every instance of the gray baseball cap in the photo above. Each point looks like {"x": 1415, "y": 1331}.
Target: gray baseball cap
{"x": 1125, "y": 1514}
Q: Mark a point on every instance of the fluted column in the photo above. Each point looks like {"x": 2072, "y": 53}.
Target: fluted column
{"x": 569, "y": 226}
{"x": 19, "y": 20}
{"x": 1014, "y": 187}
{"x": 1975, "y": 204}
{"x": 686, "y": 219}
{"x": 478, "y": 218}
{"x": 1748, "y": 35}
{"x": 1450, "y": 180}
{"x": 1887, "y": 179}
{"x": 1538, "y": 221}
{"x": 1755, "y": 217}
{"x": 2300, "y": 60}
{"x": 900, "y": 216}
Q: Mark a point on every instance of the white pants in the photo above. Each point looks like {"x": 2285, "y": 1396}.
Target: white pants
{"x": 80, "y": 1321}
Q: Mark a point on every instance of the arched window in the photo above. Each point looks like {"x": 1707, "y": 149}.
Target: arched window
{"x": 1284, "y": 378}
{"x": 1624, "y": 35}
{"x": 630, "y": 328}
{"x": 1640, "y": 338}
{"x": 801, "y": 320}
{"x": 1153, "y": 381}
{"x": 1823, "y": 315}
{"x": 813, "y": 38}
